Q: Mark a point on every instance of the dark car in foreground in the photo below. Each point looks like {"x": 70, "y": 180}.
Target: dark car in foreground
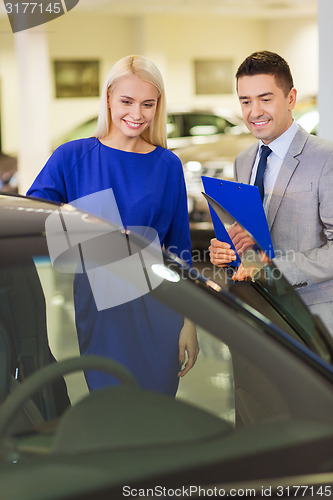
{"x": 254, "y": 416}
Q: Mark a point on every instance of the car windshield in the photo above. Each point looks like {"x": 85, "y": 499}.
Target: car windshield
{"x": 64, "y": 272}
{"x": 283, "y": 297}
{"x": 266, "y": 278}
{"x": 282, "y": 306}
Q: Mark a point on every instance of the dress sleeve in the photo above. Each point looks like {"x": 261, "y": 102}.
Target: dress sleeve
{"x": 50, "y": 182}
{"x": 178, "y": 240}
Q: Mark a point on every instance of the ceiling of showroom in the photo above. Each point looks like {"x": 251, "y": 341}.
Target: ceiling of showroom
{"x": 242, "y": 8}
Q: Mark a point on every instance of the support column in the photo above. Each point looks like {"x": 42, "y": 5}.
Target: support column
{"x": 325, "y": 101}
{"x": 34, "y": 101}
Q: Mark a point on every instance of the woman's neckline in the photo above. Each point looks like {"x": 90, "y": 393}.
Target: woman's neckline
{"x": 123, "y": 151}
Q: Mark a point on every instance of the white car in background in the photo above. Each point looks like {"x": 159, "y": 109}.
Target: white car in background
{"x": 207, "y": 142}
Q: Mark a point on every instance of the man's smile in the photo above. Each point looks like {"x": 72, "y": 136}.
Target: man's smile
{"x": 259, "y": 123}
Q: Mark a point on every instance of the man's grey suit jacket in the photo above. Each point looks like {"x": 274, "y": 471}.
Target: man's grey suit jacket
{"x": 300, "y": 214}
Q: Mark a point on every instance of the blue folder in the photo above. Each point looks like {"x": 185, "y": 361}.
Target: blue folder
{"x": 243, "y": 204}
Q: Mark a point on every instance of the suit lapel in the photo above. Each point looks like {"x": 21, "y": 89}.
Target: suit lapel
{"x": 288, "y": 167}
{"x": 245, "y": 169}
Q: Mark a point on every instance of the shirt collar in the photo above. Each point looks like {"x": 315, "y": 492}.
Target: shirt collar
{"x": 281, "y": 145}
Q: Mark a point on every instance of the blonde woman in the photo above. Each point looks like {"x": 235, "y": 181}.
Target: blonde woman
{"x": 128, "y": 154}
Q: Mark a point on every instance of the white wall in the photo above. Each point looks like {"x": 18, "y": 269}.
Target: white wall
{"x": 175, "y": 42}
{"x": 9, "y": 88}
{"x": 104, "y": 38}
{"x": 297, "y": 41}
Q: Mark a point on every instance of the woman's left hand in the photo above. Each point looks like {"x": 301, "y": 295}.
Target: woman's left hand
{"x": 188, "y": 343}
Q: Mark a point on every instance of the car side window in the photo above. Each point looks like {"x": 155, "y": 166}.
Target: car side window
{"x": 210, "y": 384}
{"x": 205, "y": 124}
{"x": 174, "y": 126}
{"x": 62, "y": 336}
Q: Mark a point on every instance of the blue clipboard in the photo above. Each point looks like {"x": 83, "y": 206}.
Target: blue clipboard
{"x": 243, "y": 203}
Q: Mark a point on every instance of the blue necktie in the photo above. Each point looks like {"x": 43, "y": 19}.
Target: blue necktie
{"x": 265, "y": 152}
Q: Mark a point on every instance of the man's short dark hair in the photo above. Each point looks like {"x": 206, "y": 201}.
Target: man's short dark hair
{"x": 267, "y": 63}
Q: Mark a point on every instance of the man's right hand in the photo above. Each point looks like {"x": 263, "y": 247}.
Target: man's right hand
{"x": 221, "y": 253}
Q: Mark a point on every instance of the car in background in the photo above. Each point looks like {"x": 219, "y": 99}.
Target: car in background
{"x": 254, "y": 416}
{"x": 213, "y": 159}
{"x": 207, "y": 142}
{"x": 8, "y": 173}
{"x": 185, "y": 126}
{"x": 307, "y": 115}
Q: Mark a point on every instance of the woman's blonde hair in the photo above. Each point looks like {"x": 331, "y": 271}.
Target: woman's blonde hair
{"x": 145, "y": 69}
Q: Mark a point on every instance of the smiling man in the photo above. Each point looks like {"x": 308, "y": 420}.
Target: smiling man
{"x": 266, "y": 106}
{"x": 296, "y": 182}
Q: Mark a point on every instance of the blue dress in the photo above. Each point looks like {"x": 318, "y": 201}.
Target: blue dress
{"x": 150, "y": 191}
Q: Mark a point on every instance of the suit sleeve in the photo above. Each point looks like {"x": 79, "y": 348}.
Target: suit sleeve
{"x": 316, "y": 264}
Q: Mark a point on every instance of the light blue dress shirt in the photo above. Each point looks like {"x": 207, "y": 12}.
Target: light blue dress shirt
{"x": 279, "y": 149}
